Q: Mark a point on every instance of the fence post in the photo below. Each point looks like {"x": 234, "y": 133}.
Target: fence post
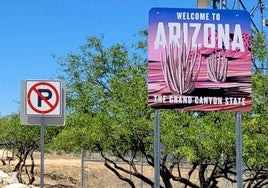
{"x": 141, "y": 169}
{"x": 82, "y": 167}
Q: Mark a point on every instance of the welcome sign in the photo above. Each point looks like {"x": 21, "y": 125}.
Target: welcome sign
{"x": 199, "y": 59}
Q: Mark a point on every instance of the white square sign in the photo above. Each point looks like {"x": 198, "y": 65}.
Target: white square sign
{"x": 43, "y": 97}
{"x": 42, "y": 102}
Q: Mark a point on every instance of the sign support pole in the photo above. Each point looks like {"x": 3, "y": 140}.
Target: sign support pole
{"x": 156, "y": 148}
{"x": 239, "y": 158}
{"x": 239, "y": 151}
{"x": 42, "y": 145}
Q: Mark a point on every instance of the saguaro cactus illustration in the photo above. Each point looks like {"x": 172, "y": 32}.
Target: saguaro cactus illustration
{"x": 217, "y": 65}
{"x": 178, "y": 68}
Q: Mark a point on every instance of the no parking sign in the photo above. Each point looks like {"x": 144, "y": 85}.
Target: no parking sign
{"x": 43, "y": 98}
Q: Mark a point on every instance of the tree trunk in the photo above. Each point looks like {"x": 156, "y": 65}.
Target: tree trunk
{"x": 201, "y": 175}
{"x": 129, "y": 181}
{"x": 30, "y": 173}
{"x": 165, "y": 175}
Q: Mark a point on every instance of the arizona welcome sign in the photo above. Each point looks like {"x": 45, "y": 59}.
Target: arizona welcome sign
{"x": 199, "y": 59}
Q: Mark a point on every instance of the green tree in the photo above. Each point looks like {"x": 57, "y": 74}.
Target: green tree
{"x": 255, "y": 132}
{"x": 108, "y": 113}
{"x": 107, "y": 90}
{"x": 24, "y": 140}
{"x": 255, "y": 138}
{"x": 108, "y": 108}
{"x": 259, "y": 52}
{"x": 204, "y": 142}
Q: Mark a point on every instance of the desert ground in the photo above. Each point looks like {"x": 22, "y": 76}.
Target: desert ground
{"x": 64, "y": 171}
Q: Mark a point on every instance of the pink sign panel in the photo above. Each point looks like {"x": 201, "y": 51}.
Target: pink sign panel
{"x": 199, "y": 59}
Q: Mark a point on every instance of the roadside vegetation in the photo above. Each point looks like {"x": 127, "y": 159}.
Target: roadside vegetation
{"x": 108, "y": 113}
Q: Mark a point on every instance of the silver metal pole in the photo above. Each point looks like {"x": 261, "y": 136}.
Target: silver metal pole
{"x": 239, "y": 158}
{"x": 157, "y": 149}
{"x": 42, "y": 146}
{"x": 239, "y": 151}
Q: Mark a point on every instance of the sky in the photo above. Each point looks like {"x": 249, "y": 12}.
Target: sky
{"x": 34, "y": 30}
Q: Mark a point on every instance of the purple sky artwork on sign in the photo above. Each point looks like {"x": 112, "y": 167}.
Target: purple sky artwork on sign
{"x": 199, "y": 59}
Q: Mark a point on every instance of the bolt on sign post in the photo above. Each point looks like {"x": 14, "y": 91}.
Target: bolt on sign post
{"x": 199, "y": 60}
{"x": 42, "y": 103}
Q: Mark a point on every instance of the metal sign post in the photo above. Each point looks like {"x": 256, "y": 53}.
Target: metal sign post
{"x": 156, "y": 149}
{"x": 239, "y": 151}
{"x": 239, "y": 158}
{"x": 42, "y": 150}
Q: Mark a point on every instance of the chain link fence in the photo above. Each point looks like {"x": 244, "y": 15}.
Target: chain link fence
{"x": 94, "y": 172}
{"x": 95, "y": 175}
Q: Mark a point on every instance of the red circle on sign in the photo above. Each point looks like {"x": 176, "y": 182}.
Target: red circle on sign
{"x": 52, "y": 106}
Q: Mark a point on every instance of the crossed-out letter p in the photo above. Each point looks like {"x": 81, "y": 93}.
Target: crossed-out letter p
{"x": 47, "y": 96}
